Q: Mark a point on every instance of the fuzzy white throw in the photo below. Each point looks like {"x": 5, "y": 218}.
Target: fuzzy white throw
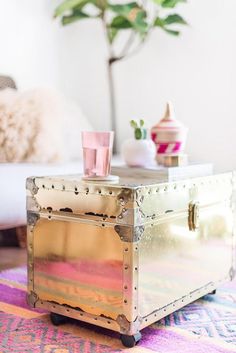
{"x": 39, "y": 126}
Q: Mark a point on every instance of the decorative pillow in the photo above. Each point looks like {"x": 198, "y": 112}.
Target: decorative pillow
{"x": 39, "y": 126}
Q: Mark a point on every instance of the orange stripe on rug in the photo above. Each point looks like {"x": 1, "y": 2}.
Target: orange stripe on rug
{"x": 13, "y": 284}
{"x": 16, "y": 310}
{"x": 97, "y": 337}
{"x": 88, "y": 333}
{"x": 139, "y": 350}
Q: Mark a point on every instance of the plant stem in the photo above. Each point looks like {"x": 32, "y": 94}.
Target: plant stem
{"x": 111, "y": 87}
{"x": 128, "y": 44}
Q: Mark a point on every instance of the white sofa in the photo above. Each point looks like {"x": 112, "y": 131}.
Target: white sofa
{"x": 12, "y": 187}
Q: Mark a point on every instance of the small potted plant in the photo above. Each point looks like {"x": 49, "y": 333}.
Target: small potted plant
{"x": 139, "y": 151}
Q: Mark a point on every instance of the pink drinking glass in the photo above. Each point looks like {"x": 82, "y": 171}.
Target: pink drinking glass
{"x": 97, "y": 152}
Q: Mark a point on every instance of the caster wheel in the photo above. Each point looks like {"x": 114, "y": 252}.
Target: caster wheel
{"x": 130, "y": 341}
{"x": 57, "y": 319}
{"x": 213, "y": 292}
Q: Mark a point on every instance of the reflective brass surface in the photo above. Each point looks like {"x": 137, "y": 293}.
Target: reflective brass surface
{"x": 164, "y": 199}
{"x": 81, "y": 203}
{"x": 79, "y": 265}
{"x": 132, "y": 251}
{"x": 79, "y": 315}
{"x": 174, "y": 261}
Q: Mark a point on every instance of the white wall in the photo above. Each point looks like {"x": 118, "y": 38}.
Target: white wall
{"x": 196, "y": 71}
{"x": 27, "y": 43}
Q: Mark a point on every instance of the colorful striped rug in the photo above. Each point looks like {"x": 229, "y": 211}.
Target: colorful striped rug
{"x": 206, "y": 326}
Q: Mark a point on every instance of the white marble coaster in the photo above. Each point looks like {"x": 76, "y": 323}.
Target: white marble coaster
{"x": 101, "y": 178}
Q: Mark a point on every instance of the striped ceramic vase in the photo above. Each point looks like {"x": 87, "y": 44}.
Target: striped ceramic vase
{"x": 169, "y": 135}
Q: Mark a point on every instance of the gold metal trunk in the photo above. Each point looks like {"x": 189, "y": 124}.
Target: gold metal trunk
{"x": 124, "y": 255}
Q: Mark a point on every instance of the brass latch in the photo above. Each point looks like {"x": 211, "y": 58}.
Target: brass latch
{"x": 193, "y": 216}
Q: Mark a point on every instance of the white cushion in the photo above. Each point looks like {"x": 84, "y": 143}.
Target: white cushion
{"x": 12, "y": 186}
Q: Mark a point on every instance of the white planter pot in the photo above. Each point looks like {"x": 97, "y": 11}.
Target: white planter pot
{"x": 139, "y": 153}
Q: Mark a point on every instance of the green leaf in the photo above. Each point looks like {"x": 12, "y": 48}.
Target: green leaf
{"x": 141, "y": 122}
{"x": 139, "y": 23}
{"x": 171, "y": 3}
{"x": 101, "y": 4}
{"x": 66, "y": 5}
{"x": 138, "y": 133}
{"x": 174, "y": 18}
{"x": 74, "y": 5}
{"x": 82, "y": 4}
{"x": 159, "y": 2}
{"x": 133, "y": 124}
{"x": 164, "y": 23}
{"x": 160, "y": 22}
{"x": 169, "y": 20}
{"x": 112, "y": 33}
{"x": 76, "y": 16}
{"x": 120, "y": 22}
{"x": 171, "y": 31}
{"x": 134, "y": 14}
{"x": 123, "y": 9}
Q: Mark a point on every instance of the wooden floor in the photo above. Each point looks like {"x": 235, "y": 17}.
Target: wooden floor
{"x": 12, "y": 257}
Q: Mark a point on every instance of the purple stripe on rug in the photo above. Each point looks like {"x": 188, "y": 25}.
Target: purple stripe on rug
{"x": 18, "y": 275}
{"x": 167, "y": 341}
{"x": 16, "y": 297}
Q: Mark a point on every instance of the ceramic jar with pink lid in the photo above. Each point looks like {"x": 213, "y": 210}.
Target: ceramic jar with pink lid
{"x": 169, "y": 135}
